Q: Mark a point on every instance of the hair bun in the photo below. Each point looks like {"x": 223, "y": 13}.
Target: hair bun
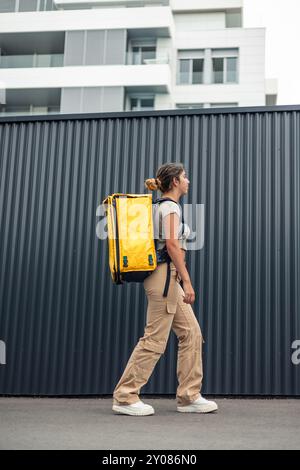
{"x": 151, "y": 184}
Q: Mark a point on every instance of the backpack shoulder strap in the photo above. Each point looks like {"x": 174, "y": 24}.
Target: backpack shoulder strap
{"x": 162, "y": 199}
{"x": 159, "y": 201}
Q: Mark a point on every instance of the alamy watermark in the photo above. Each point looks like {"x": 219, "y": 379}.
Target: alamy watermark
{"x": 296, "y": 354}
{"x": 2, "y": 352}
{"x": 193, "y": 215}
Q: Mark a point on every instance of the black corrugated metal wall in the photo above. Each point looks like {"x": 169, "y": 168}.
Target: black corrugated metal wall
{"x": 68, "y": 329}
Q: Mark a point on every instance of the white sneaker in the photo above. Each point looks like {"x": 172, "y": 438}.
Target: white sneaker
{"x": 136, "y": 409}
{"x": 201, "y": 405}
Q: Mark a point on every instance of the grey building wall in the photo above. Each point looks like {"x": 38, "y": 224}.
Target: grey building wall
{"x": 91, "y": 99}
{"x": 105, "y": 47}
{"x": 11, "y": 6}
{"x": 94, "y": 48}
{"x": 66, "y": 329}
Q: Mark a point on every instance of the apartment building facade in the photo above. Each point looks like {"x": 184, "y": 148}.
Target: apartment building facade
{"x": 82, "y": 56}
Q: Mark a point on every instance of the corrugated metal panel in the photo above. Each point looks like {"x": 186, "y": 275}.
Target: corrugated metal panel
{"x": 68, "y": 329}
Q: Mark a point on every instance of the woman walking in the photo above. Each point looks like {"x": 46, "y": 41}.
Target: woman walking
{"x": 167, "y": 311}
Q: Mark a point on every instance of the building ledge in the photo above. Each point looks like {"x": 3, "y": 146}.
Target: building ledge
{"x": 154, "y": 75}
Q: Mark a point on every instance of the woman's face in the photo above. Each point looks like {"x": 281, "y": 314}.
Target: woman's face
{"x": 184, "y": 182}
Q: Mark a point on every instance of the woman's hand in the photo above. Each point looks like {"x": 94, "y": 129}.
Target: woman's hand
{"x": 189, "y": 297}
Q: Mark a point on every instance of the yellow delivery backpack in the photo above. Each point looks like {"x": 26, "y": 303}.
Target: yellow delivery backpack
{"x": 133, "y": 253}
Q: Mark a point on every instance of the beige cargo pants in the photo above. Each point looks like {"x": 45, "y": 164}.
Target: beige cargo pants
{"x": 164, "y": 313}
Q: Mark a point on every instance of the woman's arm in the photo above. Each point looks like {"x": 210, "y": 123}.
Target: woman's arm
{"x": 171, "y": 225}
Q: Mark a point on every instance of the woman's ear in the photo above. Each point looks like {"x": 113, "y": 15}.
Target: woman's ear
{"x": 176, "y": 181}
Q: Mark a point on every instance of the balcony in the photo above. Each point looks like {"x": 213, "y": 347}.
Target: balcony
{"x": 208, "y": 5}
{"x": 31, "y": 101}
{"x": 31, "y": 60}
{"x": 154, "y": 21}
{"x": 85, "y": 4}
{"x": 146, "y": 58}
{"x": 156, "y": 78}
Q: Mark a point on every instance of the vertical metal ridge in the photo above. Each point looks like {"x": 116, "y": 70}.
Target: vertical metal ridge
{"x": 68, "y": 329}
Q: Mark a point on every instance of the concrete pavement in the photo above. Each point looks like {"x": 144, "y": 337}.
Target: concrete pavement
{"x": 89, "y": 423}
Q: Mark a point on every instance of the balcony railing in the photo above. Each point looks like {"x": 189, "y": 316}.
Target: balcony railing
{"x": 28, "y": 110}
{"x": 33, "y": 60}
{"x": 145, "y": 59}
{"x": 108, "y": 3}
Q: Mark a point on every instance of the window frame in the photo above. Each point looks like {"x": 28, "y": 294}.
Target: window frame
{"x": 189, "y": 105}
{"x": 190, "y": 71}
{"x": 139, "y": 98}
{"x": 140, "y": 43}
{"x": 214, "y": 53}
{"x": 221, "y": 54}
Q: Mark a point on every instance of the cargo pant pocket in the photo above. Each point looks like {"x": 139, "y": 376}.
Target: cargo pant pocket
{"x": 171, "y": 307}
{"x": 153, "y": 346}
{"x": 147, "y": 359}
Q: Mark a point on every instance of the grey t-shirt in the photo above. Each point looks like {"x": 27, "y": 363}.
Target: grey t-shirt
{"x": 166, "y": 208}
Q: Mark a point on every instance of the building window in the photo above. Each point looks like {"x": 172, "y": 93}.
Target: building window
{"x": 28, "y": 5}
{"x": 123, "y": 4}
{"x": 30, "y": 109}
{"x": 191, "y": 67}
{"x": 49, "y": 5}
{"x": 233, "y": 19}
{"x": 218, "y": 66}
{"x": 31, "y": 60}
{"x": 7, "y": 6}
{"x": 224, "y": 66}
{"x": 205, "y": 105}
{"x": 140, "y": 54}
{"x": 224, "y": 70}
{"x": 197, "y": 70}
{"x": 191, "y": 71}
{"x": 31, "y": 101}
{"x": 141, "y": 103}
{"x": 189, "y": 105}
{"x": 223, "y": 105}
{"x": 11, "y": 6}
{"x": 140, "y": 51}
